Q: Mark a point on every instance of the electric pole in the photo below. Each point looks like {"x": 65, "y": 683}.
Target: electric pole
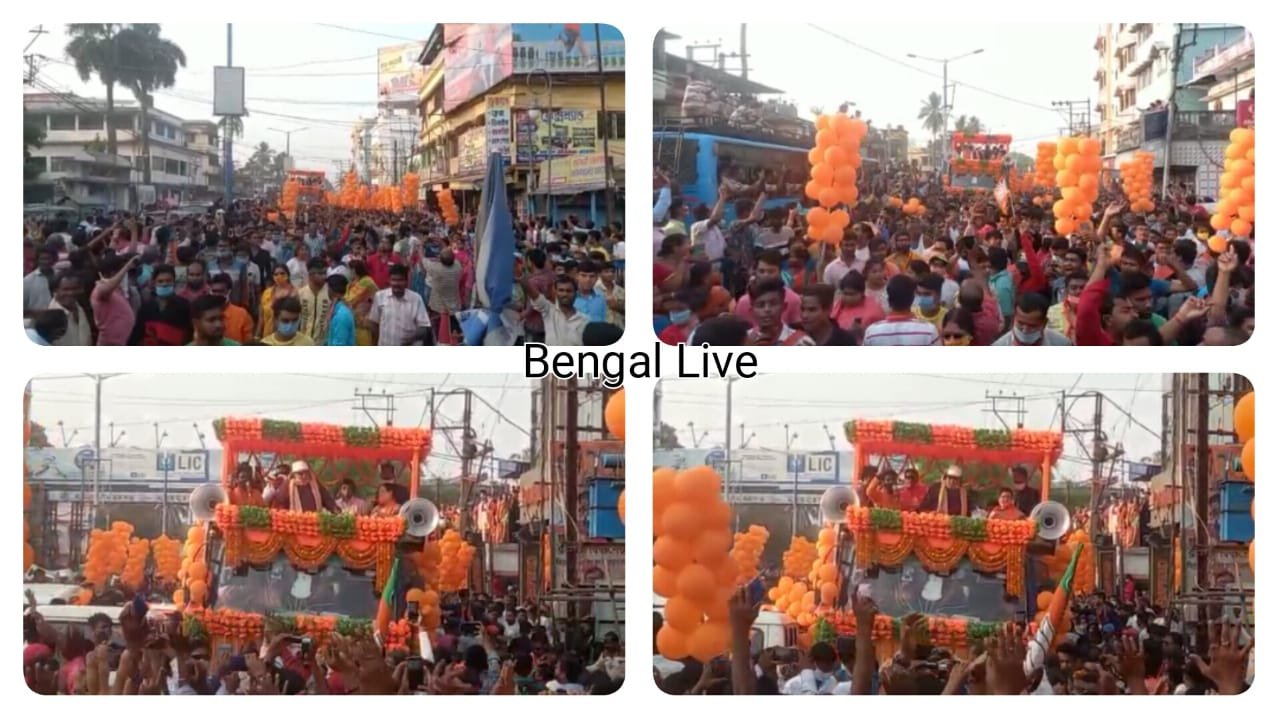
{"x": 1078, "y": 122}
{"x": 1013, "y": 404}
{"x": 370, "y": 402}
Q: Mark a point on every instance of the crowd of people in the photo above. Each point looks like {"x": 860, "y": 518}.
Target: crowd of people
{"x": 247, "y": 275}
{"x": 970, "y": 271}
{"x": 1112, "y": 646}
{"x": 484, "y": 646}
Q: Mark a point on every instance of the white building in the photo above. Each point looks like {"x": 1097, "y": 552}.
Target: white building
{"x": 1142, "y": 67}
{"x": 393, "y": 142}
{"x": 78, "y": 167}
{"x": 202, "y": 137}
{"x": 361, "y": 147}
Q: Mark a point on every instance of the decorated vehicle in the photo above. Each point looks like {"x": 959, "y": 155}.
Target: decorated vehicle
{"x": 965, "y": 574}
{"x": 978, "y": 161}
{"x": 249, "y": 570}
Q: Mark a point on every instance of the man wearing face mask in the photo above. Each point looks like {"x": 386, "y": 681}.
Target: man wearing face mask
{"x": 288, "y": 315}
{"x": 928, "y": 303}
{"x": 1062, "y": 317}
{"x": 683, "y": 319}
{"x": 1030, "y": 321}
{"x": 164, "y": 319}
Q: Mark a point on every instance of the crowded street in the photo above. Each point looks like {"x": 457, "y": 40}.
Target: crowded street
{"x": 1069, "y": 205}
{"x": 285, "y": 555}
{"x": 959, "y": 536}
{"x": 422, "y": 201}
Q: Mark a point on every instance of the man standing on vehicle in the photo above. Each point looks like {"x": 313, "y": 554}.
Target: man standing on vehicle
{"x": 302, "y": 493}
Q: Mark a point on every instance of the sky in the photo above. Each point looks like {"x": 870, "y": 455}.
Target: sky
{"x": 867, "y": 64}
{"x": 767, "y": 403}
{"x": 323, "y": 76}
{"x": 136, "y": 402}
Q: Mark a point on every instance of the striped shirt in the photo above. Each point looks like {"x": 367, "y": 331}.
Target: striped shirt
{"x": 400, "y": 318}
{"x": 901, "y": 329}
{"x": 788, "y": 336}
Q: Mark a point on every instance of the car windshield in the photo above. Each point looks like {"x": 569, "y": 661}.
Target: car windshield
{"x": 963, "y": 592}
{"x": 280, "y": 587}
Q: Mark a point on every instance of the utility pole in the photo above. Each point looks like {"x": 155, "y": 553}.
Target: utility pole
{"x": 742, "y": 48}
{"x": 1000, "y": 405}
{"x": 227, "y": 171}
{"x": 608, "y": 128}
{"x": 1202, "y": 549}
{"x": 386, "y": 404}
{"x": 159, "y": 436}
{"x": 571, "y": 494}
{"x": 795, "y": 480}
{"x": 1076, "y": 122}
{"x": 728, "y": 435}
{"x": 1172, "y": 108}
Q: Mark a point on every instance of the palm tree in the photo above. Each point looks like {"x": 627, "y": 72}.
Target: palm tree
{"x": 94, "y": 49}
{"x": 932, "y": 117}
{"x": 231, "y": 126}
{"x": 969, "y": 125}
{"x": 152, "y": 64}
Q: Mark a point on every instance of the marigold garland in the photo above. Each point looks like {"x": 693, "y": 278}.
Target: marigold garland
{"x": 951, "y": 437}
{"x": 321, "y": 434}
{"x": 234, "y": 625}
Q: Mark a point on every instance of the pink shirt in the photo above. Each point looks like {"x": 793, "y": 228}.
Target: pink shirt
{"x": 868, "y": 312}
{"x": 114, "y": 315}
{"x": 790, "y": 308}
{"x": 988, "y": 325}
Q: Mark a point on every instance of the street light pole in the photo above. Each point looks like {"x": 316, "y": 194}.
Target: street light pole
{"x": 946, "y": 105}
{"x": 288, "y": 139}
{"x": 535, "y": 113}
{"x": 604, "y": 110}
{"x": 795, "y": 482}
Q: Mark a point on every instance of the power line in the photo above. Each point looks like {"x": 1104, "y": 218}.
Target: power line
{"x": 368, "y": 32}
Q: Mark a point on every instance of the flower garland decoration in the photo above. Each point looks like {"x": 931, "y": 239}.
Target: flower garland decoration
{"x": 287, "y": 431}
{"x": 957, "y": 634}
{"x": 952, "y": 436}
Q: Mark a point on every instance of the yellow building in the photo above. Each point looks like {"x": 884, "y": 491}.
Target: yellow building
{"x": 516, "y": 90}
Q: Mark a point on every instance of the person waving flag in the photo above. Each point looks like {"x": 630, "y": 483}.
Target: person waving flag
{"x": 1053, "y": 618}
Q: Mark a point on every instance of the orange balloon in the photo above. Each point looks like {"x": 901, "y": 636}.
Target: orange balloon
{"x": 664, "y": 491}
{"x": 709, "y": 641}
{"x": 697, "y": 484}
{"x": 825, "y": 138}
{"x": 1064, "y": 226}
{"x": 828, "y": 197}
{"x": 1245, "y": 212}
{"x": 828, "y": 592}
{"x": 197, "y": 590}
{"x": 682, "y": 614}
{"x": 718, "y": 514}
{"x": 672, "y": 644}
{"x": 1067, "y": 178}
{"x": 1241, "y": 228}
{"x": 1219, "y": 222}
{"x": 815, "y": 156}
{"x": 812, "y": 189}
{"x": 718, "y": 610}
{"x": 823, "y": 173}
{"x": 179, "y": 597}
{"x": 1088, "y": 182}
{"x": 817, "y": 216}
{"x": 1251, "y": 556}
{"x": 1068, "y": 146}
{"x": 1235, "y": 151}
{"x": 1062, "y": 208}
{"x": 615, "y": 415}
{"x": 848, "y": 194}
{"x": 832, "y": 234}
{"x": 197, "y": 570}
{"x": 1076, "y": 163}
{"x": 664, "y": 582}
{"x": 1089, "y": 146}
{"x": 697, "y": 583}
{"x": 845, "y": 175}
{"x": 1043, "y": 599}
{"x": 839, "y": 218}
{"x": 1243, "y": 416}
{"x": 1246, "y": 459}
{"x": 836, "y": 157}
{"x": 622, "y": 506}
{"x": 1059, "y": 162}
{"x": 671, "y": 553}
{"x": 710, "y": 547}
{"x": 682, "y": 521}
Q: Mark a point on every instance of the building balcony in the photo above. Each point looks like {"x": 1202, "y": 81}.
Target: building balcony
{"x": 1227, "y": 58}
{"x": 1199, "y": 126}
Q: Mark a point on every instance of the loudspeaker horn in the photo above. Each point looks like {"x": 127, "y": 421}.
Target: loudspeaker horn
{"x": 205, "y": 499}
{"x": 420, "y": 517}
{"x": 835, "y": 501}
{"x": 1053, "y": 520}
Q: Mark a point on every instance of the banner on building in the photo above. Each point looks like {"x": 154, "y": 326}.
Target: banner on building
{"x": 497, "y": 127}
{"x": 471, "y": 152}
{"x": 477, "y": 57}
{"x": 69, "y": 466}
{"x": 544, "y": 134}
{"x": 580, "y": 173}
{"x": 567, "y": 48}
{"x": 399, "y": 74}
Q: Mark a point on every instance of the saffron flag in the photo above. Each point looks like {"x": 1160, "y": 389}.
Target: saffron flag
{"x": 386, "y": 603}
{"x": 1053, "y": 618}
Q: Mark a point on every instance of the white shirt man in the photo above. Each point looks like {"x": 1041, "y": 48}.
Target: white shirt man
{"x": 838, "y": 268}
{"x": 708, "y": 237}
{"x": 398, "y": 318}
{"x": 561, "y": 329}
{"x": 78, "y": 332}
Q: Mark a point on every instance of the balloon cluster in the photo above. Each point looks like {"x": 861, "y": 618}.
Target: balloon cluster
{"x": 823, "y": 576}
{"x": 1045, "y": 170}
{"x": 28, "y": 552}
{"x": 1137, "y": 176}
{"x": 914, "y": 207}
{"x": 797, "y": 560}
{"x": 456, "y": 555}
{"x": 134, "y": 575}
{"x": 166, "y": 553}
{"x": 1078, "y": 161}
{"x": 1235, "y": 211}
{"x": 428, "y": 563}
{"x": 409, "y": 185}
{"x": 834, "y": 159}
{"x": 447, "y": 207}
{"x": 194, "y": 574}
{"x": 692, "y": 567}
{"x": 793, "y": 599}
{"x": 746, "y": 552}
{"x": 1243, "y": 418}
{"x": 428, "y": 607}
{"x": 107, "y": 553}
{"x": 289, "y": 196}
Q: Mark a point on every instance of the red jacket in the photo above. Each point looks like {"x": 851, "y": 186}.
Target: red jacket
{"x": 1089, "y": 330}
{"x": 1036, "y": 281}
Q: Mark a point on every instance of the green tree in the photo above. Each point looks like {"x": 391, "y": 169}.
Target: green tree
{"x": 152, "y": 64}
{"x": 666, "y": 438}
{"x": 95, "y": 50}
{"x": 231, "y": 126}
{"x": 932, "y": 119}
{"x": 39, "y": 436}
{"x": 263, "y": 168}
{"x": 968, "y": 125}
{"x": 1022, "y": 161}
{"x": 32, "y": 137}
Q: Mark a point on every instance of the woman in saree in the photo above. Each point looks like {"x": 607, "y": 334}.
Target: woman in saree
{"x": 280, "y": 287}
{"x": 359, "y": 298}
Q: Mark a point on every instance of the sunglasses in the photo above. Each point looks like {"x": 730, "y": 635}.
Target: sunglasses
{"x": 952, "y": 477}
{"x": 954, "y": 336}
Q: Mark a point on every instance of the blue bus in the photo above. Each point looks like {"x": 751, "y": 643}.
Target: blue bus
{"x": 699, "y": 161}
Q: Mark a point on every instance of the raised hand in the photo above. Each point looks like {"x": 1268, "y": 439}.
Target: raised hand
{"x": 1005, "y": 654}
{"x": 742, "y": 612}
{"x": 1228, "y": 261}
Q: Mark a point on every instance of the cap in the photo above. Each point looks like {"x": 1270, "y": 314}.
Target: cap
{"x": 299, "y": 466}
{"x": 955, "y": 471}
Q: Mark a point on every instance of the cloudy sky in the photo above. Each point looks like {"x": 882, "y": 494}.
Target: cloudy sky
{"x": 1009, "y": 86}
{"x": 316, "y": 76}
{"x": 136, "y": 403}
{"x": 815, "y": 405}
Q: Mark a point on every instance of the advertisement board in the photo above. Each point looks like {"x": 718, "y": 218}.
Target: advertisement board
{"x": 543, "y": 134}
{"x": 815, "y": 467}
{"x": 579, "y": 173}
{"x": 471, "y": 157}
{"x": 476, "y": 57}
{"x": 63, "y": 466}
{"x": 497, "y": 127}
{"x": 399, "y": 74}
{"x": 566, "y": 48}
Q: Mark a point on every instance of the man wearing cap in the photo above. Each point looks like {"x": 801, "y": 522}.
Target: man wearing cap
{"x": 302, "y": 493}
{"x": 1024, "y": 496}
{"x": 949, "y": 496}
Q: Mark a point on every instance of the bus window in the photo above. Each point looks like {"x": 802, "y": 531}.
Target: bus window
{"x": 784, "y": 172}
{"x": 757, "y": 641}
{"x": 792, "y": 636}
{"x": 684, "y": 162}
